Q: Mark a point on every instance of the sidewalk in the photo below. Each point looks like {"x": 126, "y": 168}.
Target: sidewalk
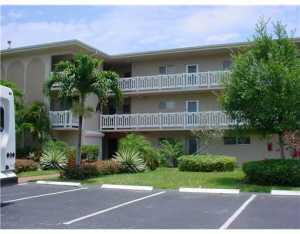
{"x": 33, "y": 178}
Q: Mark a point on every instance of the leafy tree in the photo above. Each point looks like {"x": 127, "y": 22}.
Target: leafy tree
{"x": 206, "y": 137}
{"x": 36, "y": 121}
{"x": 170, "y": 151}
{"x": 263, "y": 90}
{"x": 79, "y": 78}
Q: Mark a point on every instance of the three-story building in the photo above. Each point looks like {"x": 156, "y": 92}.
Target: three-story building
{"x": 167, "y": 94}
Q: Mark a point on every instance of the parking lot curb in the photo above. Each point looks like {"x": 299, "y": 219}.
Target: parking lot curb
{"x": 285, "y": 193}
{"x": 75, "y": 184}
{"x": 208, "y": 190}
{"x": 126, "y": 187}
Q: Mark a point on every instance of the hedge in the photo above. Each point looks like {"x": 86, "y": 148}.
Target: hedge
{"x": 206, "y": 163}
{"x": 273, "y": 172}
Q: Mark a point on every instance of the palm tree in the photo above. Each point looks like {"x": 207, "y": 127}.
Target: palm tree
{"x": 79, "y": 78}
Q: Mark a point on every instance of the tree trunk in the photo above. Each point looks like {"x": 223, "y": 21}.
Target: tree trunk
{"x": 281, "y": 145}
{"x": 78, "y": 154}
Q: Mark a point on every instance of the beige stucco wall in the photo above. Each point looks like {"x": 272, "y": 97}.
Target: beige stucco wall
{"x": 150, "y": 104}
{"x": 256, "y": 150}
{"x": 204, "y": 62}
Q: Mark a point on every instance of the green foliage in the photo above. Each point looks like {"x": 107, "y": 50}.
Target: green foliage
{"x": 170, "y": 151}
{"x": 206, "y": 163}
{"x": 79, "y": 78}
{"x": 130, "y": 160}
{"x": 53, "y": 158}
{"x": 25, "y": 165}
{"x": 262, "y": 92}
{"x": 273, "y": 172}
{"x": 55, "y": 144}
{"x": 141, "y": 145}
{"x": 36, "y": 122}
{"x": 89, "y": 152}
{"x": 80, "y": 173}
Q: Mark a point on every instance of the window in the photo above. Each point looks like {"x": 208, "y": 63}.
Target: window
{"x": 167, "y": 105}
{"x": 237, "y": 140}
{"x": 167, "y": 69}
{"x": 1, "y": 119}
{"x": 162, "y": 70}
{"x": 191, "y": 68}
{"x": 192, "y": 146}
{"x": 227, "y": 64}
{"x": 192, "y": 106}
{"x": 243, "y": 140}
{"x": 229, "y": 140}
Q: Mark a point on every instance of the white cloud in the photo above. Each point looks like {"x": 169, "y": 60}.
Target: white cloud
{"x": 128, "y": 29}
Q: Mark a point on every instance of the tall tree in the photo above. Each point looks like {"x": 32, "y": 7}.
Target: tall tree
{"x": 79, "y": 78}
{"x": 263, "y": 90}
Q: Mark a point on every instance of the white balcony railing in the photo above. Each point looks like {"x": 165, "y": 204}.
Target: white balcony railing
{"x": 63, "y": 119}
{"x": 177, "y": 120}
{"x": 199, "y": 80}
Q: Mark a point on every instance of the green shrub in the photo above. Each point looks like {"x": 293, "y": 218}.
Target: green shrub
{"x": 206, "y": 163}
{"x": 130, "y": 160}
{"x": 53, "y": 158}
{"x": 273, "y": 172}
{"x": 140, "y": 144}
{"x": 59, "y": 145}
{"x": 106, "y": 167}
{"x": 170, "y": 151}
{"x": 25, "y": 165}
{"x": 89, "y": 152}
{"x": 83, "y": 172}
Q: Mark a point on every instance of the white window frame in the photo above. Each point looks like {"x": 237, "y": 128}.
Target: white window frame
{"x": 166, "y": 67}
{"x": 186, "y": 104}
{"x": 188, "y": 65}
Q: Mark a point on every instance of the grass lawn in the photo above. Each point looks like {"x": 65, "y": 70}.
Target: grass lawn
{"x": 37, "y": 173}
{"x": 172, "y": 178}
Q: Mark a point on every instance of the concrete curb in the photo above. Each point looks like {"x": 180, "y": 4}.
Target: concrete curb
{"x": 127, "y": 187}
{"x": 208, "y": 190}
{"x": 59, "y": 183}
{"x": 285, "y": 193}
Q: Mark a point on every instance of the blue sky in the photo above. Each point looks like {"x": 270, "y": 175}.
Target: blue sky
{"x": 124, "y": 29}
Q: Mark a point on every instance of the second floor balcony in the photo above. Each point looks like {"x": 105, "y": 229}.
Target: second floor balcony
{"x": 165, "y": 121}
{"x": 174, "y": 82}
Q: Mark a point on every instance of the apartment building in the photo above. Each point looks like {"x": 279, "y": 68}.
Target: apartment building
{"x": 167, "y": 94}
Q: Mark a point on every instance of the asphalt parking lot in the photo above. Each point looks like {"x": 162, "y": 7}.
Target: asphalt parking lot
{"x": 55, "y": 206}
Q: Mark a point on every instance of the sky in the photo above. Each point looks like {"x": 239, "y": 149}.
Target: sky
{"x": 126, "y": 29}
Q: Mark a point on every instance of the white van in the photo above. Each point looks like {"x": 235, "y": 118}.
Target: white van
{"x": 7, "y": 136}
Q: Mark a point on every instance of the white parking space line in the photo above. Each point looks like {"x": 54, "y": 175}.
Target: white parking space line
{"x": 43, "y": 195}
{"x": 127, "y": 187}
{"x": 285, "y": 193}
{"x": 237, "y": 212}
{"x": 208, "y": 190}
{"x": 75, "y": 184}
{"x": 111, "y": 208}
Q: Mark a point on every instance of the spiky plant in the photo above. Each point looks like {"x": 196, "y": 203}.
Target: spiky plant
{"x": 53, "y": 159}
{"x": 130, "y": 160}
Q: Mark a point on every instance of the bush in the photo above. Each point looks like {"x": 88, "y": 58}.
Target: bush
{"x": 130, "y": 160}
{"x": 89, "y": 152}
{"x": 83, "y": 172}
{"x": 106, "y": 167}
{"x": 141, "y": 145}
{"x": 53, "y": 158}
{"x": 170, "y": 151}
{"x": 59, "y": 145}
{"x": 206, "y": 163}
{"x": 273, "y": 172}
{"x": 25, "y": 165}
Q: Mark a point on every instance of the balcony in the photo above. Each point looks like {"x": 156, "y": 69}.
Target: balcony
{"x": 165, "y": 121}
{"x": 63, "y": 120}
{"x": 174, "y": 82}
